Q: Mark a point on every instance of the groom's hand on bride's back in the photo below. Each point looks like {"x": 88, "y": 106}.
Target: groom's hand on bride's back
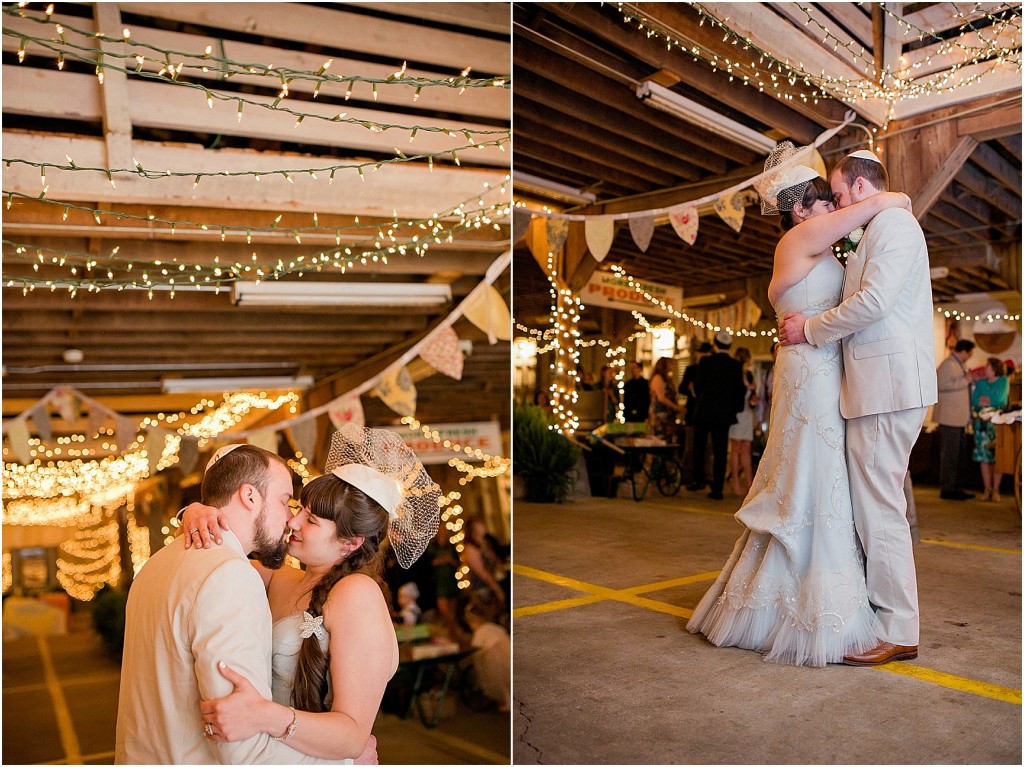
{"x": 791, "y": 330}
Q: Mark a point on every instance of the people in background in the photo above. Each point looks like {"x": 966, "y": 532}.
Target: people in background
{"x": 953, "y": 413}
{"x": 741, "y": 433}
{"x": 408, "y": 610}
{"x": 991, "y": 391}
{"x": 665, "y": 406}
{"x": 610, "y": 389}
{"x": 686, "y": 390}
{"x": 493, "y": 658}
{"x": 636, "y": 394}
{"x": 480, "y": 557}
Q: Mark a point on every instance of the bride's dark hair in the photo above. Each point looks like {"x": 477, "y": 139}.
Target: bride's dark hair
{"x": 817, "y": 189}
{"x": 355, "y": 514}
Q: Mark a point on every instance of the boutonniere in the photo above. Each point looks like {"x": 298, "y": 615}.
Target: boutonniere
{"x": 849, "y": 244}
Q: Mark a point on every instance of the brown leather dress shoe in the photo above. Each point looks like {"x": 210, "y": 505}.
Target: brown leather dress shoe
{"x": 883, "y": 653}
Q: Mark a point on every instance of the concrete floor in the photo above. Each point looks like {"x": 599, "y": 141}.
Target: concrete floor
{"x": 60, "y": 707}
{"x": 605, "y": 672}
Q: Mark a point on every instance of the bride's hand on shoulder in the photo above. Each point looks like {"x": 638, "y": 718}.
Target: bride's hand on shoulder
{"x": 237, "y": 716}
{"x": 202, "y": 525}
{"x": 896, "y": 200}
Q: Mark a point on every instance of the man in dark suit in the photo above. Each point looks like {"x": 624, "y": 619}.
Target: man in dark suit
{"x": 686, "y": 389}
{"x": 720, "y": 391}
{"x": 636, "y": 394}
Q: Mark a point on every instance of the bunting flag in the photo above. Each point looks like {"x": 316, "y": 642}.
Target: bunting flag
{"x": 188, "y": 454}
{"x": 642, "y": 229}
{"x": 443, "y": 352}
{"x": 397, "y": 391}
{"x": 347, "y": 409}
{"x": 489, "y": 312}
{"x": 266, "y": 439}
{"x": 684, "y": 220}
{"x": 303, "y": 437}
{"x": 68, "y": 405}
{"x": 599, "y": 232}
{"x": 41, "y": 418}
{"x": 17, "y": 433}
{"x": 96, "y": 420}
{"x": 154, "y": 447}
{"x": 125, "y": 431}
{"x": 557, "y": 230}
{"x": 731, "y": 210}
{"x": 520, "y": 223}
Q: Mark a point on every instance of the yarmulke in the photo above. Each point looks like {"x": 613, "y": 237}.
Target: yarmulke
{"x": 220, "y": 454}
{"x": 723, "y": 338}
{"x": 865, "y": 154}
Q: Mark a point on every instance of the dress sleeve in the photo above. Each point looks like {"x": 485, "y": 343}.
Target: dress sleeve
{"x": 230, "y": 622}
{"x": 1001, "y": 395}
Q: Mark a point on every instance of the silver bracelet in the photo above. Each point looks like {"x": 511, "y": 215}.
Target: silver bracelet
{"x": 291, "y": 728}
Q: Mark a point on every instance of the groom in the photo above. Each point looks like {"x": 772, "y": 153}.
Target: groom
{"x": 187, "y": 613}
{"x": 885, "y": 323}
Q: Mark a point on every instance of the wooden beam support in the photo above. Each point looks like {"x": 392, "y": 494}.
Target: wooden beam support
{"x": 117, "y": 121}
{"x": 922, "y": 162}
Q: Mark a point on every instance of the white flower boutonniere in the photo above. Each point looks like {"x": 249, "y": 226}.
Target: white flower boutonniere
{"x": 850, "y": 241}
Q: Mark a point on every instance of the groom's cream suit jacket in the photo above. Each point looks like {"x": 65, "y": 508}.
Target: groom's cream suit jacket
{"x": 186, "y": 611}
{"x": 885, "y": 320}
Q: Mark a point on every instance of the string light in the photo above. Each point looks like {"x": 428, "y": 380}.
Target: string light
{"x": 960, "y": 316}
{"x": 493, "y": 465}
{"x": 8, "y": 572}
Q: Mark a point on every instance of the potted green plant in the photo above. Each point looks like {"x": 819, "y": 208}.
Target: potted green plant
{"x": 541, "y": 456}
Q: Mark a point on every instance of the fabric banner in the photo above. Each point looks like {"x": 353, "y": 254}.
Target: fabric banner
{"x": 730, "y": 209}
{"x": 154, "y": 447}
{"x": 489, "y": 312}
{"x": 125, "y": 431}
{"x": 266, "y": 439}
{"x": 684, "y": 220}
{"x": 41, "y": 419}
{"x": 397, "y": 391}
{"x": 443, "y": 352}
{"x": 556, "y": 230}
{"x": 520, "y": 223}
{"x": 642, "y": 229}
{"x": 303, "y": 437}
{"x": 599, "y": 232}
{"x": 188, "y": 454}
{"x": 68, "y": 405}
{"x": 347, "y": 409}
{"x": 482, "y": 435}
{"x": 17, "y": 433}
{"x": 608, "y": 289}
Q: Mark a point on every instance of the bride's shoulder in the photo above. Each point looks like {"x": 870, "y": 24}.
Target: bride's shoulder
{"x": 355, "y": 592}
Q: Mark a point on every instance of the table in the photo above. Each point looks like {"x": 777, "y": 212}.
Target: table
{"x": 1008, "y": 454}
{"x": 652, "y": 463}
{"x": 419, "y": 666}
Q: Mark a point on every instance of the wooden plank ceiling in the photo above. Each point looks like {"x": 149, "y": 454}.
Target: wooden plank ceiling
{"x": 579, "y": 124}
{"x": 56, "y": 111}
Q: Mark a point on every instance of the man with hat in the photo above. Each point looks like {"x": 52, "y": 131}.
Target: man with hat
{"x": 885, "y": 323}
{"x": 686, "y": 388}
{"x": 719, "y": 388}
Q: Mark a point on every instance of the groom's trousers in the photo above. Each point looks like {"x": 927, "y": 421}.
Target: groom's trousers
{"x": 878, "y": 453}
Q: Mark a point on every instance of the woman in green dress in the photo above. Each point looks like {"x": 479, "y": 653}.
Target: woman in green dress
{"x": 992, "y": 391}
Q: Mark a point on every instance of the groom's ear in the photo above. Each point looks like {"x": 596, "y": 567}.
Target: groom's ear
{"x": 248, "y": 496}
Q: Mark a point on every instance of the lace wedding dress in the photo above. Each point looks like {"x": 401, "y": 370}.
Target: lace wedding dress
{"x": 793, "y": 587}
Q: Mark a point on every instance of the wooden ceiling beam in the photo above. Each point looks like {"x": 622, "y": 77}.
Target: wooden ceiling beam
{"x": 597, "y": 170}
{"x": 758, "y": 106}
{"x": 989, "y": 190}
{"x": 223, "y": 337}
{"x": 989, "y": 161}
{"x": 799, "y": 15}
{"x": 851, "y": 17}
{"x": 1012, "y": 145}
{"x": 962, "y": 222}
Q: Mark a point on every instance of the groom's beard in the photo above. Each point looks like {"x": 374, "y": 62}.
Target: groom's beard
{"x": 269, "y": 552}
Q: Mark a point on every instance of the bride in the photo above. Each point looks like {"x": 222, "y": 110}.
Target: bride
{"x": 334, "y": 645}
{"x": 794, "y": 586}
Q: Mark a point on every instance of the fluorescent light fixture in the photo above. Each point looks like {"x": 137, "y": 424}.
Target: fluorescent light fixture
{"x": 527, "y": 183}
{"x": 217, "y": 385}
{"x": 668, "y": 101}
{"x": 939, "y": 272}
{"x": 706, "y": 300}
{"x": 274, "y": 293}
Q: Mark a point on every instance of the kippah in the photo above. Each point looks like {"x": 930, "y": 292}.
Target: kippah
{"x": 865, "y": 154}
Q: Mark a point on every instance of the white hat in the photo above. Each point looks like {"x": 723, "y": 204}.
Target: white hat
{"x": 379, "y": 486}
{"x": 865, "y": 154}
{"x": 724, "y": 337}
{"x": 221, "y": 452}
{"x": 791, "y": 176}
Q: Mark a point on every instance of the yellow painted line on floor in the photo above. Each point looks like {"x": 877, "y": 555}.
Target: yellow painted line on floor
{"x": 671, "y": 584}
{"x": 953, "y": 682}
{"x": 969, "y": 546}
{"x": 486, "y": 755}
{"x": 602, "y": 593}
{"x": 68, "y": 737}
{"x": 100, "y": 757}
{"x": 92, "y": 679}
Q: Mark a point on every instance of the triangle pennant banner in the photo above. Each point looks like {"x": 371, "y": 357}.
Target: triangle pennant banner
{"x": 444, "y": 353}
{"x": 599, "y": 232}
{"x": 684, "y": 220}
{"x": 96, "y": 420}
{"x": 346, "y": 409}
{"x": 397, "y": 391}
{"x": 154, "y": 447}
{"x": 125, "y": 431}
{"x": 188, "y": 455}
{"x": 18, "y": 435}
{"x": 303, "y": 437}
{"x": 557, "y": 230}
{"x": 266, "y": 439}
{"x": 68, "y": 405}
{"x": 642, "y": 229}
{"x": 41, "y": 418}
{"x": 731, "y": 210}
{"x": 489, "y": 312}
{"x": 520, "y": 223}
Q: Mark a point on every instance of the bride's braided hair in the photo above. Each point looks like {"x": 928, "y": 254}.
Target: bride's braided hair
{"x": 355, "y": 514}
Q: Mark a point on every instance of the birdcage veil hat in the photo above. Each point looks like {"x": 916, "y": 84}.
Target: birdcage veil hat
{"x": 781, "y": 190}
{"x": 379, "y": 463}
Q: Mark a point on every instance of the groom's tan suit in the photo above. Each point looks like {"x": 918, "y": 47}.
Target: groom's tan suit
{"x": 886, "y": 325}
{"x": 187, "y": 610}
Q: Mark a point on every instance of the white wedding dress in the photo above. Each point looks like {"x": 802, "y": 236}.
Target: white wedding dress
{"x": 793, "y": 587}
